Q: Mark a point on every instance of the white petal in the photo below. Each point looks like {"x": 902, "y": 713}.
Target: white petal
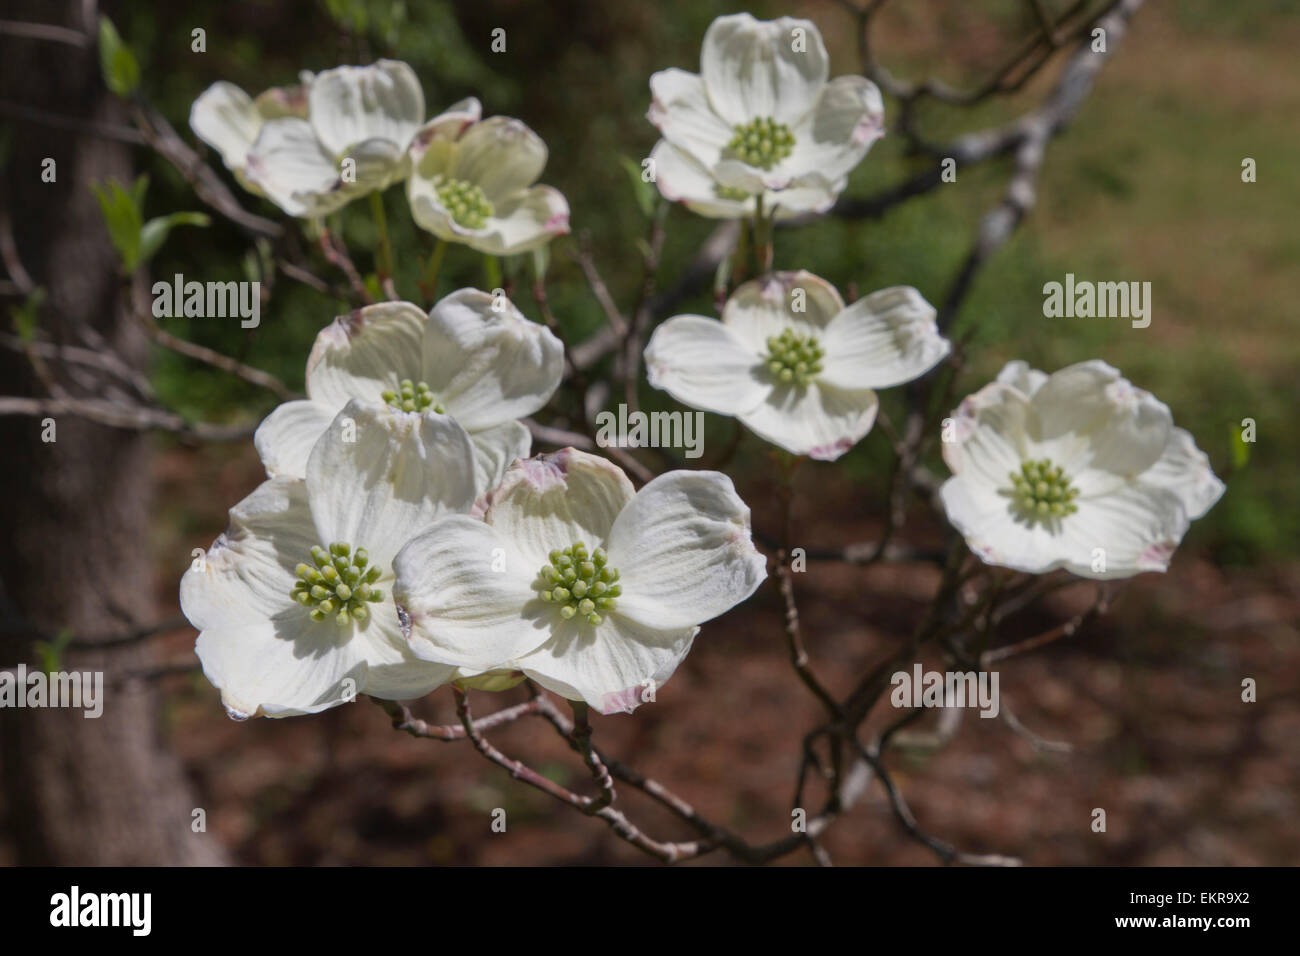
{"x": 464, "y": 588}
{"x": 448, "y": 125}
{"x": 282, "y": 667}
{"x": 378, "y": 476}
{"x": 701, "y": 363}
{"x": 501, "y": 156}
{"x": 1109, "y": 424}
{"x": 361, "y": 354}
{"x": 486, "y": 362}
{"x": 751, "y": 68}
{"x": 1138, "y": 527}
{"x": 1019, "y": 375}
{"x": 614, "y": 666}
{"x": 735, "y": 174}
{"x": 1115, "y": 535}
{"x": 351, "y": 104}
{"x": 683, "y": 551}
{"x": 375, "y": 164}
{"x": 885, "y": 339}
{"x": 681, "y": 179}
{"x": 988, "y": 435}
{"x": 496, "y": 449}
{"x": 819, "y": 421}
{"x": 556, "y": 500}
{"x": 681, "y": 111}
{"x": 394, "y": 672}
{"x": 287, "y": 163}
{"x": 281, "y": 101}
{"x": 522, "y": 222}
{"x": 286, "y": 437}
{"x": 248, "y": 573}
{"x": 435, "y": 161}
{"x": 768, "y": 306}
{"x": 832, "y": 139}
{"x": 811, "y": 199}
{"x": 1185, "y": 470}
{"x": 225, "y": 118}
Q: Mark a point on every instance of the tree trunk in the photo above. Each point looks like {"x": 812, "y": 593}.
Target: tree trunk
{"x": 76, "y": 511}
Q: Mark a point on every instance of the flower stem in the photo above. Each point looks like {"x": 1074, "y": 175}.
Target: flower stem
{"x": 763, "y": 252}
{"x": 432, "y": 267}
{"x": 384, "y": 258}
{"x": 492, "y": 271}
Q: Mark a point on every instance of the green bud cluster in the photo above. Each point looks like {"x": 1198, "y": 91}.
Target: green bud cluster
{"x": 1042, "y": 491}
{"x": 793, "y": 358}
{"x": 465, "y": 203}
{"x": 761, "y": 142}
{"x": 339, "y": 586}
{"x": 411, "y": 397}
{"x": 580, "y": 583}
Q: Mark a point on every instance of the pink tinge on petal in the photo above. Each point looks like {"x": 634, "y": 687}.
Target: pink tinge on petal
{"x": 775, "y": 286}
{"x": 343, "y": 328}
{"x": 832, "y": 451}
{"x": 424, "y": 136}
{"x": 623, "y": 702}
{"x": 544, "y": 472}
{"x": 867, "y": 130}
{"x": 1123, "y": 394}
{"x": 1156, "y": 557}
{"x": 558, "y": 224}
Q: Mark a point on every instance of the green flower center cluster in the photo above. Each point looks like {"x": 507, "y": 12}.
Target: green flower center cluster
{"x": 339, "y": 586}
{"x": 579, "y": 583}
{"x": 411, "y": 397}
{"x": 793, "y": 358}
{"x": 465, "y": 203}
{"x": 1042, "y": 491}
{"x": 761, "y": 142}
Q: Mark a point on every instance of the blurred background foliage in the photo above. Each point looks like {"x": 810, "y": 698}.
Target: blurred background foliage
{"x": 1144, "y": 186}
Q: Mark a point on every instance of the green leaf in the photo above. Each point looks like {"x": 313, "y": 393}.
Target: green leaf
{"x": 138, "y": 190}
{"x": 51, "y": 652}
{"x": 155, "y": 231}
{"x": 24, "y": 316}
{"x": 116, "y": 61}
{"x": 123, "y": 219}
{"x": 646, "y": 193}
{"x": 1240, "y": 448}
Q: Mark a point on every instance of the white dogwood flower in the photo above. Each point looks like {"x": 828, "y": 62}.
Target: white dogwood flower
{"x": 577, "y": 582}
{"x": 352, "y": 141}
{"x": 792, "y": 363}
{"x": 228, "y": 119}
{"x": 760, "y": 117}
{"x": 292, "y": 602}
{"x": 473, "y": 182}
{"x": 474, "y": 357}
{"x": 1077, "y": 470}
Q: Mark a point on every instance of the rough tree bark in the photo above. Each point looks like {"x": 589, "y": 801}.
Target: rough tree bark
{"x": 76, "y": 512}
